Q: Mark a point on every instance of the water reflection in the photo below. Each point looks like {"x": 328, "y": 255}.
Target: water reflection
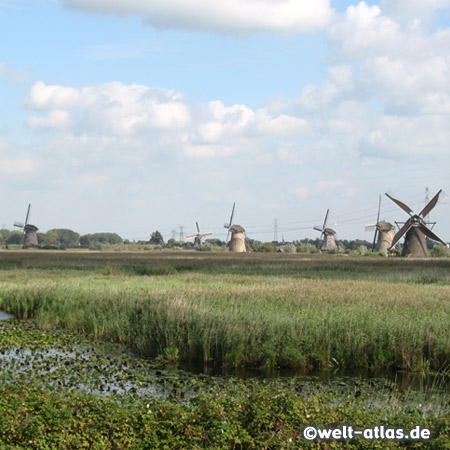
{"x": 5, "y": 316}
{"x": 404, "y": 380}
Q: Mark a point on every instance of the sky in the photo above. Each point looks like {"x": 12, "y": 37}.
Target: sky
{"x": 131, "y": 116}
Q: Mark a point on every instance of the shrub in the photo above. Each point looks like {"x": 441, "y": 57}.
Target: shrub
{"x": 290, "y": 248}
{"x": 440, "y": 251}
{"x": 268, "y": 247}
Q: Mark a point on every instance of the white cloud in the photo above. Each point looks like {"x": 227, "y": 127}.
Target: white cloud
{"x": 293, "y": 16}
{"x": 413, "y": 13}
{"x": 111, "y": 108}
{"x": 135, "y": 111}
{"x": 57, "y": 119}
{"x": 17, "y": 165}
{"x": 387, "y": 93}
{"x": 16, "y": 76}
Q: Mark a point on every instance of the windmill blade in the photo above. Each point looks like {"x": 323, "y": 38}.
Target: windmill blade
{"x": 325, "y": 221}
{"x": 370, "y": 227}
{"x": 316, "y": 227}
{"x": 379, "y": 209}
{"x": 232, "y": 214}
{"x": 28, "y": 214}
{"x": 205, "y": 234}
{"x": 191, "y": 236}
{"x": 375, "y": 238}
{"x": 405, "y": 208}
{"x": 228, "y": 235}
{"x": 19, "y": 224}
{"x": 198, "y": 229}
{"x": 248, "y": 247}
{"x": 427, "y": 232}
{"x": 404, "y": 229}
{"x": 431, "y": 204}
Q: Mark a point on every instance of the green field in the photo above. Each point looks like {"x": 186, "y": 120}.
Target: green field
{"x": 268, "y": 310}
{"x": 225, "y": 310}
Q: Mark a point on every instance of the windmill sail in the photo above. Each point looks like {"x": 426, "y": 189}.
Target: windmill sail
{"x": 415, "y": 229}
{"x": 327, "y": 235}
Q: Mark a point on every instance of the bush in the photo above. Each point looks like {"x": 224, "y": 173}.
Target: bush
{"x": 290, "y": 248}
{"x": 307, "y": 248}
{"x": 440, "y": 251}
{"x": 268, "y": 247}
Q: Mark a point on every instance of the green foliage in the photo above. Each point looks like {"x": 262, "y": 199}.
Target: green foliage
{"x": 60, "y": 236}
{"x": 239, "y": 416}
{"x": 251, "y": 310}
{"x": 4, "y": 235}
{"x": 268, "y": 247}
{"x": 440, "y": 251}
{"x": 156, "y": 238}
{"x": 15, "y": 238}
{"x": 256, "y": 245}
{"x": 91, "y": 240}
{"x": 307, "y": 248}
{"x": 289, "y": 248}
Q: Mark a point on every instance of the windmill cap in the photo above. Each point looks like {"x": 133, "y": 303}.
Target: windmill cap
{"x": 385, "y": 226}
{"x": 238, "y": 229}
{"x": 29, "y": 227}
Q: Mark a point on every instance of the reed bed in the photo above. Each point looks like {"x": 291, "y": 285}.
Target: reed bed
{"x": 245, "y": 310}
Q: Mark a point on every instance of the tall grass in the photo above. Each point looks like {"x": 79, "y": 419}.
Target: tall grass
{"x": 297, "y": 317}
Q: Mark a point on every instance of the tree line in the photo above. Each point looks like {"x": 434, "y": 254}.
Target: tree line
{"x": 62, "y": 238}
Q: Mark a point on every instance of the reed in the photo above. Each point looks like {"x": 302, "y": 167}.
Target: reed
{"x": 261, "y": 310}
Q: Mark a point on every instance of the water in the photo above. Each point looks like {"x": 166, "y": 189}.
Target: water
{"x": 5, "y": 316}
{"x": 106, "y": 369}
{"x": 402, "y": 379}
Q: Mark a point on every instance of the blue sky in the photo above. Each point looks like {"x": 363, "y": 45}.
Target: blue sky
{"x": 137, "y": 115}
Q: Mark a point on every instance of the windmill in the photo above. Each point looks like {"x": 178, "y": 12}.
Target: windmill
{"x": 384, "y": 233}
{"x": 237, "y": 243}
{"x": 30, "y": 231}
{"x": 415, "y": 229}
{"x": 198, "y": 237}
{"x": 329, "y": 241}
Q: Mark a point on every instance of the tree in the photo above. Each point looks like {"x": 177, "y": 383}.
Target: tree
{"x": 4, "y": 235}
{"x": 88, "y": 240}
{"x": 16, "y": 237}
{"x": 65, "y": 237}
{"x": 156, "y": 238}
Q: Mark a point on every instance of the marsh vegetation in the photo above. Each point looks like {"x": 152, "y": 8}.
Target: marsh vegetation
{"x": 302, "y": 312}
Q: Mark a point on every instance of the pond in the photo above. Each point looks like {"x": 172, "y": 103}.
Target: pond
{"x": 59, "y": 360}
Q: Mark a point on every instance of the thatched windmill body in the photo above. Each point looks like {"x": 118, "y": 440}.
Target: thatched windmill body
{"x": 198, "y": 237}
{"x": 30, "y": 238}
{"x": 415, "y": 229}
{"x": 327, "y": 235}
{"x": 384, "y": 233}
{"x": 237, "y": 243}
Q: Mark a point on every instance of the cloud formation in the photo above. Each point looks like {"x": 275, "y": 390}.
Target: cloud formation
{"x": 292, "y": 16}
{"x": 136, "y": 112}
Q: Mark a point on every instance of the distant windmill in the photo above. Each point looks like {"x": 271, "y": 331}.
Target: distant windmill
{"x": 384, "y": 231}
{"x": 329, "y": 241}
{"x": 30, "y": 231}
{"x": 415, "y": 229}
{"x": 198, "y": 237}
{"x": 237, "y": 243}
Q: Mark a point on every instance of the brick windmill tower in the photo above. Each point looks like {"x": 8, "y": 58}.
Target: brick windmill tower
{"x": 30, "y": 238}
{"x": 415, "y": 229}
{"x": 384, "y": 233}
{"x": 327, "y": 236}
{"x": 237, "y": 243}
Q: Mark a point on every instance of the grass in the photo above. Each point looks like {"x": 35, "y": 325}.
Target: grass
{"x": 65, "y": 391}
{"x": 242, "y": 310}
